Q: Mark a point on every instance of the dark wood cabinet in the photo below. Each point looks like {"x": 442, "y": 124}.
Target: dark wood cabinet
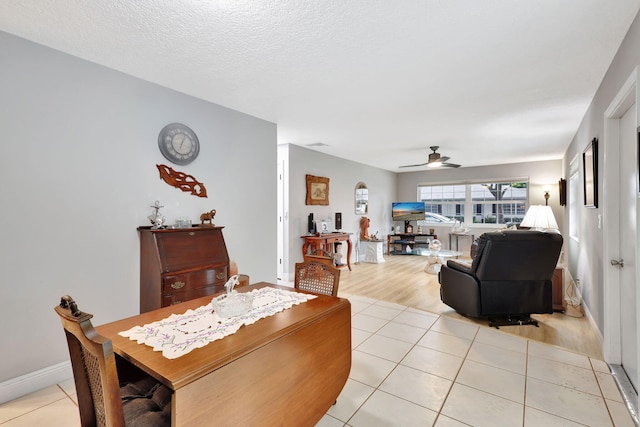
{"x": 177, "y": 265}
{"x": 557, "y": 282}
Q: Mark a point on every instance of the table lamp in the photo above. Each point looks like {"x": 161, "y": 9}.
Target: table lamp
{"x": 540, "y": 218}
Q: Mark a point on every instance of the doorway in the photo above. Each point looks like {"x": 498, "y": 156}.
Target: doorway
{"x": 621, "y": 237}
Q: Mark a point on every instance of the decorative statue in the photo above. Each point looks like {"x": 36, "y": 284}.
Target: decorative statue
{"x": 208, "y": 217}
{"x": 364, "y": 228}
{"x": 337, "y": 255}
{"x": 156, "y": 218}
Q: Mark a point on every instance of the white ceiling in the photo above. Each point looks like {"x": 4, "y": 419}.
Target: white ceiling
{"x": 378, "y": 81}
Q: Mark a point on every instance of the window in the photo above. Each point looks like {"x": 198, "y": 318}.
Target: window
{"x": 447, "y": 200}
{"x": 500, "y": 202}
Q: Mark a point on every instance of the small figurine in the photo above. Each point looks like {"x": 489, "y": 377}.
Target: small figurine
{"x": 231, "y": 283}
{"x": 435, "y": 245}
{"x": 156, "y": 218}
{"x": 337, "y": 255}
{"x": 208, "y": 217}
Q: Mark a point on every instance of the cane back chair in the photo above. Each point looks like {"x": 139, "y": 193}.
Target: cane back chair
{"x": 140, "y": 401}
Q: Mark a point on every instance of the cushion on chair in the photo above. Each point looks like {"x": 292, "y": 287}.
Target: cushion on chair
{"x": 146, "y": 403}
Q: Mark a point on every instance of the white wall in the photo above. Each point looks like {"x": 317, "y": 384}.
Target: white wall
{"x": 588, "y": 263}
{"x": 343, "y": 176}
{"x": 78, "y": 174}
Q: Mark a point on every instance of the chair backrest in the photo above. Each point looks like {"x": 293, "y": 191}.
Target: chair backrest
{"x": 517, "y": 254}
{"x": 94, "y": 368}
{"x": 317, "y": 277}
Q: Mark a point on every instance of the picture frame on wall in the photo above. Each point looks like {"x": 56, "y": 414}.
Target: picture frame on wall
{"x": 562, "y": 191}
{"x": 590, "y": 174}
{"x": 317, "y": 190}
{"x": 638, "y": 153}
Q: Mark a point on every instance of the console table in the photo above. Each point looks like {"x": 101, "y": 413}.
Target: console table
{"x": 408, "y": 239}
{"x": 326, "y": 242}
{"x": 457, "y": 236}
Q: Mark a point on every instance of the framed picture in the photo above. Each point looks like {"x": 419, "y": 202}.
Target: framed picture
{"x": 590, "y": 174}
{"x": 317, "y": 190}
{"x": 324, "y": 227}
{"x": 638, "y": 151}
{"x": 562, "y": 187}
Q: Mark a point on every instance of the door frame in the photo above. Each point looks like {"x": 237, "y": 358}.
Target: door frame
{"x": 627, "y": 96}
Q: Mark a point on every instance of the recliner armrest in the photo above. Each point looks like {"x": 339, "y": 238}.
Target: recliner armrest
{"x": 459, "y": 289}
{"x": 460, "y": 265}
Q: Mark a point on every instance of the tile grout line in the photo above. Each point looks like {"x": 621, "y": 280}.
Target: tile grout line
{"x": 453, "y": 382}
{"x": 377, "y": 388}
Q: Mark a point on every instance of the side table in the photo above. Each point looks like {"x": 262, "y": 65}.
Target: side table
{"x": 457, "y": 236}
{"x": 326, "y": 241}
{"x": 372, "y": 251}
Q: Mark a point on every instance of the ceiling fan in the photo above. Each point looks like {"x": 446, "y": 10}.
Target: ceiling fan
{"x": 435, "y": 160}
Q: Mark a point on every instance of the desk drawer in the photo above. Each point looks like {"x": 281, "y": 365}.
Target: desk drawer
{"x": 194, "y": 280}
{"x": 178, "y": 297}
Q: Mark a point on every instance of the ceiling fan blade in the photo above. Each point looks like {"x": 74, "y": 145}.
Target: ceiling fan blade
{"x": 411, "y": 166}
{"x": 443, "y": 159}
{"x": 450, "y": 165}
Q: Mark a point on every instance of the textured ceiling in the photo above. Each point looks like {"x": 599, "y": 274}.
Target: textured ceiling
{"x": 491, "y": 81}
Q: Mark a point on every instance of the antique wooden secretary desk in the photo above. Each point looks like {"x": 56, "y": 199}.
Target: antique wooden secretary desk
{"x": 181, "y": 264}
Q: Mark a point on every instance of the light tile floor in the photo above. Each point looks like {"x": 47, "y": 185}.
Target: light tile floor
{"x": 413, "y": 368}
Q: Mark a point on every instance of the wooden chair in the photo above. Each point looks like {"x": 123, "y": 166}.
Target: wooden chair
{"x": 317, "y": 277}
{"x": 102, "y": 401}
{"x": 320, "y": 255}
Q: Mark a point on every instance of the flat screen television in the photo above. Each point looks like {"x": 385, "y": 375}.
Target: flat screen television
{"x": 407, "y": 211}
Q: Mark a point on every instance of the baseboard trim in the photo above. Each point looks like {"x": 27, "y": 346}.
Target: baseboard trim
{"x": 34, "y": 381}
{"x": 594, "y": 325}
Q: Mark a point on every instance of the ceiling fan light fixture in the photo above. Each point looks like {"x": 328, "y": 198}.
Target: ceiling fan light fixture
{"x": 435, "y": 160}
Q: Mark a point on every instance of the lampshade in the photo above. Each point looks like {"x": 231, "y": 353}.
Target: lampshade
{"x": 539, "y": 217}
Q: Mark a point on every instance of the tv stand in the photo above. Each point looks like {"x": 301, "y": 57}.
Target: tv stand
{"x": 407, "y": 239}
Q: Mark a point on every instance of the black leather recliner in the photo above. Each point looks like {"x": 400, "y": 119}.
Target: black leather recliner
{"x": 509, "y": 278}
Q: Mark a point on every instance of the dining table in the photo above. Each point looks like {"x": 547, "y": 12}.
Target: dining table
{"x": 285, "y": 369}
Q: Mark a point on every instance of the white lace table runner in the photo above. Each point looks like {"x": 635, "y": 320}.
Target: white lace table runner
{"x": 179, "y": 334}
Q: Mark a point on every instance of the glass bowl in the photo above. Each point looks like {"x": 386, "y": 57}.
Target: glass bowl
{"x": 232, "y": 304}
{"x": 435, "y": 245}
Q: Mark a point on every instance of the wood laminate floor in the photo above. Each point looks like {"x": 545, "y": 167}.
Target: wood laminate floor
{"x": 401, "y": 279}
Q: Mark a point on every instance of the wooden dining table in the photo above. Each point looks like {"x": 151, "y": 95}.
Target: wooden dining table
{"x": 286, "y": 369}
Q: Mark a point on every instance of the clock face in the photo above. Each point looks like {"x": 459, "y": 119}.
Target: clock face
{"x": 178, "y": 144}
